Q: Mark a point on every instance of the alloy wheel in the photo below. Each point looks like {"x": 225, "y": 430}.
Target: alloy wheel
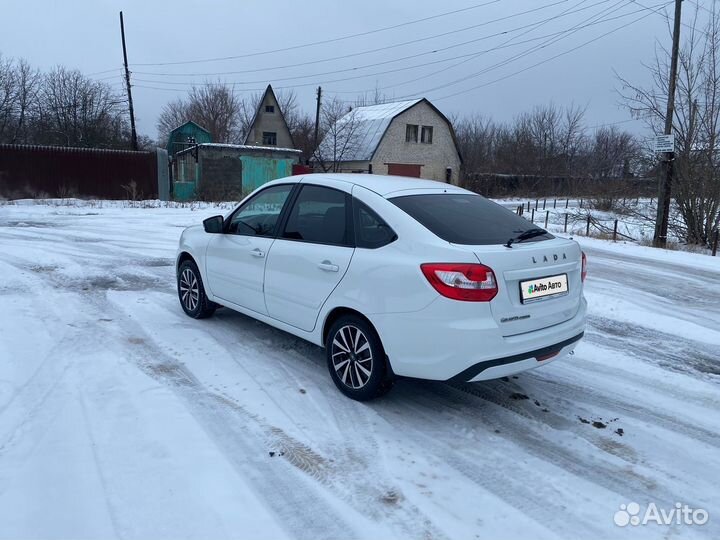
{"x": 352, "y": 357}
{"x": 189, "y": 289}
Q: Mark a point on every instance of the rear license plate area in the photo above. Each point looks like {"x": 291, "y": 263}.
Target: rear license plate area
{"x": 544, "y": 288}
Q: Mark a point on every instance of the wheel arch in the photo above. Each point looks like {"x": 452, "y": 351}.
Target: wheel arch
{"x": 337, "y": 312}
{"x": 182, "y": 257}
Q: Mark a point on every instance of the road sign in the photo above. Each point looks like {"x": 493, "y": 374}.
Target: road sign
{"x": 664, "y": 143}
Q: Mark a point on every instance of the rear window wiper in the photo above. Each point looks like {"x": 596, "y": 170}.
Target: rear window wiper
{"x": 527, "y": 235}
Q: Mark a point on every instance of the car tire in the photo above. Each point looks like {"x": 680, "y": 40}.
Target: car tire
{"x": 191, "y": 292}
{"x": 356, "y": 359}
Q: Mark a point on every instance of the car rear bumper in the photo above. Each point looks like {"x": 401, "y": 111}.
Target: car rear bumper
{"x": 437, "y": 344}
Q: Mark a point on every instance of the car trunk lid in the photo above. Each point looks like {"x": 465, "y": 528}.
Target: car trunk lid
{"x": 527, "y": 263}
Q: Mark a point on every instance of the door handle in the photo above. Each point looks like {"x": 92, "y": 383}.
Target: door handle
{"x": 328, "y": 266}
{"x": 257, "y": 253}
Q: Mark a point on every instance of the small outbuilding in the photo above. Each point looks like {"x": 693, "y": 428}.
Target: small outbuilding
{"x": 214, "y": 171}
{"x": 185, "y": 136}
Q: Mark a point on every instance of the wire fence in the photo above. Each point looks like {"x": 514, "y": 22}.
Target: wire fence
{"x": 593, "y": 224}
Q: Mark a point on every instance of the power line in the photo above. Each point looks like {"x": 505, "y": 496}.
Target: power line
{"x": 575, "y": 28}
{"x": 544, "y": 61}
{"x": 559, "y": 35}
{"x": 322, "y": 42}
{"x": 105, "y": 71}
{"x": 473, "y": 54}
{"x": 408, "y": 57}
{"x": 352, "y": 55}
{"x": 535, "y": 26}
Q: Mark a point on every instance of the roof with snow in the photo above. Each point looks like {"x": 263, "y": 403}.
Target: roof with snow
{"x": 372, "y": 123}
{"x": 244, "y": 147}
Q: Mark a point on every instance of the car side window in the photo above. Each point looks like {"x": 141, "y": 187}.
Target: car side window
{"x": 319, "y": 215}
{"x": 259, "y": 216}
{"x": 370, "y": 229}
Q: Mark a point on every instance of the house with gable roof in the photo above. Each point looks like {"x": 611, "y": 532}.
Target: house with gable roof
{"x": 268, "y": 127}
{"x": 404, "y": 138}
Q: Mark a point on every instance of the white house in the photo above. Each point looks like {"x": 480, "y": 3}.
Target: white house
{"x": 406, "y": 138}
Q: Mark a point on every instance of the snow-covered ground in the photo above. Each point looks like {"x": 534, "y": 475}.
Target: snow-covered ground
{"x": 122, "y": 418}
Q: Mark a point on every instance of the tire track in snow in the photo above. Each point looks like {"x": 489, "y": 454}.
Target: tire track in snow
{"x": 659, "y": 348}
{"x": 380, "y": 500}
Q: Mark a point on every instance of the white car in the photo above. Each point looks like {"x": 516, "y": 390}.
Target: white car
{"x": 393, "y": 276}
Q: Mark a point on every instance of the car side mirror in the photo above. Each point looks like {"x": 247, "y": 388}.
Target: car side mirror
{"x": 214, "y": 225}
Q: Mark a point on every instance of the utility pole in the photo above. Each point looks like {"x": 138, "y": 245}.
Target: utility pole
{"x": 317, "y": 115}
{"x": 133, "y": 133}
{"x": 666, "y": 177}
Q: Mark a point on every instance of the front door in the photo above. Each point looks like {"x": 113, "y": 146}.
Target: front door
{"x": 310, "y": 257}
{"x": 235, "y": 260}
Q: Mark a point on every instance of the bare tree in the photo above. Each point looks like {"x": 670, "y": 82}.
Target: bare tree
{"x": 172, "y": 115}
{"x": 477, "y": 142}
{"x": 19, "y": 86}
{"x": 612, "y": 154}
{"x": 302, "y": 133}
{"x": 77, "y": 111}
{"x": 212, "y": 105}
{"x": 696, "y": 124}
{"x": 340, "y": 135}
{"x": 215, "y": 107}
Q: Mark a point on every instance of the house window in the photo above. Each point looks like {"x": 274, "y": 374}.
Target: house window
{"x": 269, "y": 108}
{"x": 269, "y": 138}
{"x": 411, "y": 133}
{"x": 426, "y": 136}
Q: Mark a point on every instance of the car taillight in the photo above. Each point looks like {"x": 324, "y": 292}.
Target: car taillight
{"x": 461, "y": 281}
{"x": 583, "y": 273}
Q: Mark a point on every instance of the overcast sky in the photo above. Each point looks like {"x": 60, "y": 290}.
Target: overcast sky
{"x": 85, "y": 34}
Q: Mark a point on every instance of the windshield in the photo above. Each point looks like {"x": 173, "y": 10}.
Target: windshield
{"x": 467, "y": 219}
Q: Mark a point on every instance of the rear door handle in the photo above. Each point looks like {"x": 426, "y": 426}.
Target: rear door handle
{"x": 257, "y": 253}
{"x": 328, "y": 266}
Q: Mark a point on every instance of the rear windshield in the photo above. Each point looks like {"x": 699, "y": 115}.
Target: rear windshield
{"x": 466, "y": 219}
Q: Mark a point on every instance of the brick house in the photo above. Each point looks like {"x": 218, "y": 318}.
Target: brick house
{"x": 405, "y": 138}
{"x": 268, "y": 127}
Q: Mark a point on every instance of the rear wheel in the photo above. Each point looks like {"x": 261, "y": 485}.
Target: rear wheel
{"x": 356, "y": 359}
{"x": 191, "y": 292}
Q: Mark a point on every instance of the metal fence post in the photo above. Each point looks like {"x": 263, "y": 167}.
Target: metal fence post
{"x": 567, "y": 202}
{"x": 566, "y": 218}
{"x": 544, "y": 203}
{"x": 580, "y": 203}
{"x": 537, "y": 201}
{"x": 615, "y": 231}
{"x": 532, "y": 217}
{"x": 547, "y": 216}
{"x": 528, "y": 206}
{"x": 554, "y": 203}
{"x": 587, "y": 229}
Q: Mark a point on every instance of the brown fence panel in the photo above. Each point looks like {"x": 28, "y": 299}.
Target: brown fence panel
{"x": 50, "y": 171}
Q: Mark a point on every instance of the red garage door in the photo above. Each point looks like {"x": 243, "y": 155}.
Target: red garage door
{"x": 403, "y": 169}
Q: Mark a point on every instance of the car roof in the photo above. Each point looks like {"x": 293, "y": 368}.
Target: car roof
{"x": 382, "y": 184}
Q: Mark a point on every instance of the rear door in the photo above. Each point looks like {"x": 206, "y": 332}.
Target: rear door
{"x": 235, "y": 260}
{"x": 310, "y": 256}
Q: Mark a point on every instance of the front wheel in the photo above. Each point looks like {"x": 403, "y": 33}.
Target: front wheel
{"x": 356, "y": 359}
{"x": 191, "y": 292}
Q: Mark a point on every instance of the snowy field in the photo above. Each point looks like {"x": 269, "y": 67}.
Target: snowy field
{"x": 122, "y": 418}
